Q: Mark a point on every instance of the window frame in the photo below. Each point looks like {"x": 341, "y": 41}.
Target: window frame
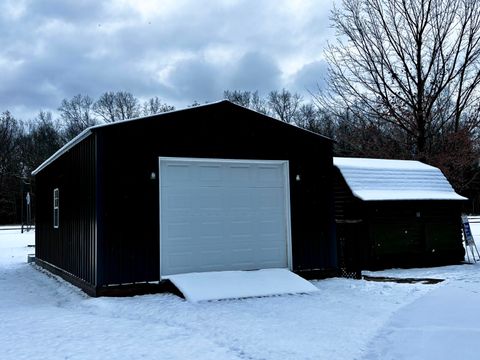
{"x": 56, "y": 208}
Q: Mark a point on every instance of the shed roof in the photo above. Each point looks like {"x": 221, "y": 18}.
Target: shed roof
{"x": 379, "y": 179}
{"x": 87, "y": 132}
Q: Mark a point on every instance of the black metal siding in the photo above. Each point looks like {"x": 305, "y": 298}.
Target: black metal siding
{"x": 414, "y": 233}
{"x": 129, "y": 198}
{"x": 348, "y": 208}
{"x": 352, "y": 240}
{"x": 71, "y": 247}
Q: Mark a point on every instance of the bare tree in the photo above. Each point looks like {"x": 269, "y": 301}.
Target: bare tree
{"x": 307, "y": 117}
{"x": 105, "y": 107}
{"x": 116, "y": 106}
{"x": 10, "y": 167}
{"x": 154, "y": 106}
{"x": 284, "y": 104}
{"x": 258, "y": 103}
{"x": 127, "y": 105}
{"x": 41, "y": 139}
{"x": 196, "y": 103}
{"x": 248, "y": 99}
{"x": 76, "y": 115}
{"x": 10, "y": 132}
{"x": 238, "y": 97}
{"x": 413, "y": 64}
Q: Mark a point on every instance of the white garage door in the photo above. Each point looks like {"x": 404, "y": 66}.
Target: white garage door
{"x": 218, "y": 215}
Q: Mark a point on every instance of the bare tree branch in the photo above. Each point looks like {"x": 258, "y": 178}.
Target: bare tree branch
{"x": 413, "y": 64}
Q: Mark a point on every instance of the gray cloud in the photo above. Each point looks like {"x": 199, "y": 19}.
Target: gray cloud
{"x": 54, "y": 49}
{"x": 310, "y": 77}
{"x": 194, "y": 79}
{"x": 255, "y": 71}
{"x": 80, "y": 12}
{"x": 201, "y": 80}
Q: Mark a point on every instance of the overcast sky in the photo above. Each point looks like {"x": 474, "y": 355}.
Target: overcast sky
{"x": 178, "y": 50}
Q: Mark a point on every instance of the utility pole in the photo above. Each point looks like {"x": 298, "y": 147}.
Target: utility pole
{"x": 25, "y": 222}
{"x": 21, "y": 208}
{"x": 29, "y": 211}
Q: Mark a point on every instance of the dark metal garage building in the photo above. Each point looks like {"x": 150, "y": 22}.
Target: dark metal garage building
{"x": 395, "y": 213}
{"x": 209, "y": 188}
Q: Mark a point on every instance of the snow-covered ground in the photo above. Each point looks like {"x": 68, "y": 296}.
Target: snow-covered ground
{"x": 43, "y": 317}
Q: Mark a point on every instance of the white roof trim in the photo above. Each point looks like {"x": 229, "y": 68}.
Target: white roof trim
{"x": 84, "y": 134}
{"x": 382, "y": 180}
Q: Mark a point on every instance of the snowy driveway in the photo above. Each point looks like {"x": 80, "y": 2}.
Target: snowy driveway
{"x": 42, "y": 317}
{"x": 443, "y": 324}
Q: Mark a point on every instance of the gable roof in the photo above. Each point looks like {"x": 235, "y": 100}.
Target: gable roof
{"x": 379, "y": 179}
{"x": 87, "y": 132}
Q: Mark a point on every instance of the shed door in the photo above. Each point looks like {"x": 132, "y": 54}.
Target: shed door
{"x": 218, "y": 215}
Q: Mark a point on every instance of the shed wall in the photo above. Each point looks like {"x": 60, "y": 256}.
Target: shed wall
{"x": 381, "y": 234}
{"x": 413, "y": 233}
{"x": 72, "y": 246}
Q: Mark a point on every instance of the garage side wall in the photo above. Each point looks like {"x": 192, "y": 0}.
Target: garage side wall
{"x": 129, "y": 188}
{"x": 70, "y": 249}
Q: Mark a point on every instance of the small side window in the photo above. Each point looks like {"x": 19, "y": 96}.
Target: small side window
{"x": 56, "y": 209}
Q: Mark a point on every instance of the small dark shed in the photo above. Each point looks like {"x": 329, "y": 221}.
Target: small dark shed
{"x": 395, "y": 213}
{"x": 209, "y": 188}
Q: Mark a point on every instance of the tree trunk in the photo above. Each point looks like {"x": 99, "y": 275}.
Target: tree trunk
{"x": 421, "y": 138}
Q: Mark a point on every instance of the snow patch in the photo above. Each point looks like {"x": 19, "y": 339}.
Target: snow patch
{"x": 220, "y": 285}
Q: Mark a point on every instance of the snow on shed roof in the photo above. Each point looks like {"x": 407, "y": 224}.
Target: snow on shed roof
{"x": 379, "y": 179}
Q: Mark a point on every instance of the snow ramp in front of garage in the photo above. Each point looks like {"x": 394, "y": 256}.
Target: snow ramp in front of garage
{"x": 220, "y": 285}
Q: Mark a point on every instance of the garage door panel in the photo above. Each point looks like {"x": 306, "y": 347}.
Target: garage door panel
{"x": 240, "y": 175}
{"x": 267, "y": 227}
{"x": 210, "y": 175}
{"x": 268, "y": 198}
{"x": 269, "y": 176}
{"x": 224, "y": 215}
{"x": 178, "y": 231}
{"x": 240, "y": 229}
{"x": 176, "y": 200}
{"x": 239, "y": 200}
{"x": 210, "y": 226}
{"x": 208, "y": 199}
{"x": 245, "y": 254}
{"x": 212, "y": 257}
{"x": 176, "y": 262}
{"x": 182, "y": 246}
{"x": 176, "y": 174}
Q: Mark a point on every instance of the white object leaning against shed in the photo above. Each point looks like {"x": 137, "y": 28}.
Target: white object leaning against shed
{"x": 379, "y": 179}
